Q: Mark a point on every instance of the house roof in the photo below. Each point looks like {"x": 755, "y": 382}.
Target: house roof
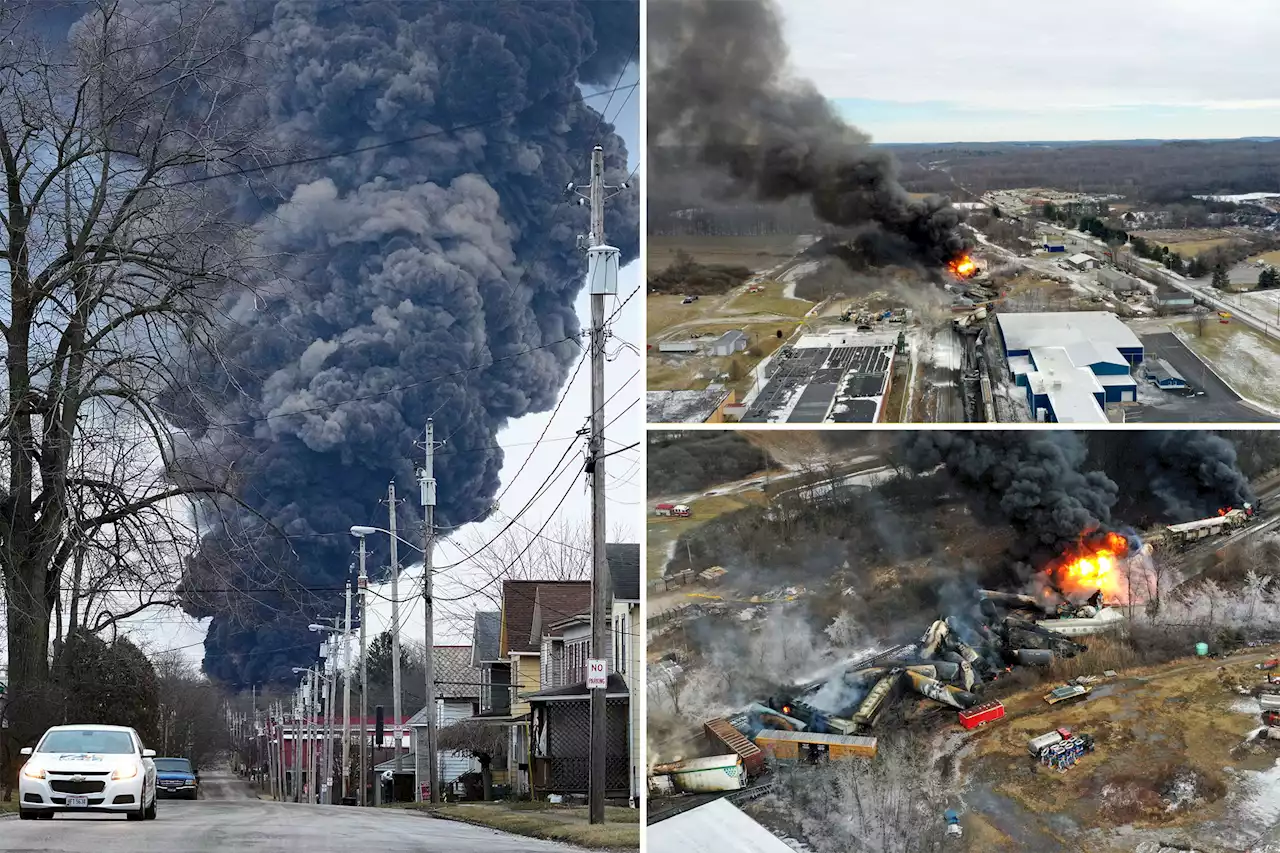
{"x": 624, "y": 570}
{"x": 456, "y": 677}
{"x": 616, "y": 686}
{"x": 484, "y": 636}
{"x": 523, "y": 600}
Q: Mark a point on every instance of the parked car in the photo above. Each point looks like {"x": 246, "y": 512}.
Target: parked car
{"x": 88, "y": 769}
{"x": 175, "y": 777}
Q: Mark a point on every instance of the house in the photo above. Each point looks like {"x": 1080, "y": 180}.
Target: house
{"x": 559, "y": 710}
{"x": 624, "y": 575}
{"x": 458, "y": 688}
{"x": 526, "y": 607}
{"x": 560, "y": 722}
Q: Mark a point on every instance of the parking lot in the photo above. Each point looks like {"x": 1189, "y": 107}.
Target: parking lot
{"x": 1219, "y": 404}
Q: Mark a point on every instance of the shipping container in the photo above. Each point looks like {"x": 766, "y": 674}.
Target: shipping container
{"x": 981, "y": 714}
{"x": 720, "y": 732}
{"x": 794, "y": 746}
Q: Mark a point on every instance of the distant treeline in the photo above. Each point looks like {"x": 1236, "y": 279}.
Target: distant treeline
{"x": 1159, "y": 172}
{"x": 687, "y": 276}
{"x": 688, "y": 461}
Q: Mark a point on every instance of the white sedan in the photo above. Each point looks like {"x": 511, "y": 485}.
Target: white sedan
{"x": 88, "y": 769}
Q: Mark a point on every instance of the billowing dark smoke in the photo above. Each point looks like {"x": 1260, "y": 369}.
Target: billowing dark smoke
{"x": 1193, "y": 474}
{"x": 1033, "y": 479}
{"x": 720, "y": 91}
{"x": 405, "y": 268}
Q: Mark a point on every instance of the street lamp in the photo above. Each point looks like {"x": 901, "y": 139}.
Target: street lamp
{"x": 363, "y": 531}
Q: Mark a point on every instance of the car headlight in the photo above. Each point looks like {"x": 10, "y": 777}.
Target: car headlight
{"x": 33, "y": 771}
{"x": 125, "y": 771}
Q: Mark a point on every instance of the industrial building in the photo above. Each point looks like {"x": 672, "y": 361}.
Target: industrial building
{"x": 1173, "y": 299}
{"x": 1072, "y": 364}
{"x": 729, "y": 343}
{"x": 838, "y": 377}
{"x": 705, "y": 406}
{"x": 1082, "y": 262}
{"x": 1163, "y": 374}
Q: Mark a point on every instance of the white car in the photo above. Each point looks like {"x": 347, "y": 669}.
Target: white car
{"x": 88, "y": 769}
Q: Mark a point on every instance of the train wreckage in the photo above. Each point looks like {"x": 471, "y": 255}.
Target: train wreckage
{"x": 832, "y": 717}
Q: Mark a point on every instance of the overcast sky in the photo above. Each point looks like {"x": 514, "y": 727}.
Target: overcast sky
{"x": 990, "y": 70}
{"x": 171, "y": 629}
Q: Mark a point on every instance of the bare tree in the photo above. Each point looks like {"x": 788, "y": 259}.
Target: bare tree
{"x": 116, "y": 254}
{"x": 486, "y": 742}
{"x": 1201, "y": 316}
{"x": 560, "y": 552}
{"x": 190, "y": 723}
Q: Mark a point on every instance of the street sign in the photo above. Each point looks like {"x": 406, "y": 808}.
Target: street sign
{"x": 597, "y": 674}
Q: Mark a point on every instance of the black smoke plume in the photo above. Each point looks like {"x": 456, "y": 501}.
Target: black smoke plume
{"x": 402, "y": 264}
{"x": 1193, "y": 474}
{"x": 1033, "y": 480}
{"x": 720, "y": 92}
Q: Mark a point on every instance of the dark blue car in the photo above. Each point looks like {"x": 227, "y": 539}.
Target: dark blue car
{"x": 176, "y": 778}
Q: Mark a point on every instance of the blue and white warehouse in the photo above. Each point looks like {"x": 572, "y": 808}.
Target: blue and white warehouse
{"x": 1072, "y": 364}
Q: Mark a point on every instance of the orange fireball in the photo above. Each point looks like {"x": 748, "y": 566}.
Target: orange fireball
{"x": 1092, "y": 565}
{"x": 964, "y": 267}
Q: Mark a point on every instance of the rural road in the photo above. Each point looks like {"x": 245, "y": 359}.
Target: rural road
{"x": 231, "y": 819}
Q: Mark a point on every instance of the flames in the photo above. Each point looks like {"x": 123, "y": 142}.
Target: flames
{"x": 964, "y": 267}
{"x": 1092, "y": 565}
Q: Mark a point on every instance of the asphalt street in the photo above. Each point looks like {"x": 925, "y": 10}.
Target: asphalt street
{"x": 231, "y": 818}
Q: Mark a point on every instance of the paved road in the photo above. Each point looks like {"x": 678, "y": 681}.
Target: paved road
{"x": 229, "y": 820}
{"x": 224, "y": 785}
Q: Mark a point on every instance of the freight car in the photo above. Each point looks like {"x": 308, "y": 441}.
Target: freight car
{"x": 814, "y": 747}
{"x": 722, "y": 734}
{"x": 981, "y": 714}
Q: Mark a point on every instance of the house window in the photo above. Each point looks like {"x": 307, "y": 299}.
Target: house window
{"x": 620, "y": 648}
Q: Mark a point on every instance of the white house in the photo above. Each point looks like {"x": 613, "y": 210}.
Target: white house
{"x": 458, "y": 688}
{"x": 624, "y": 573}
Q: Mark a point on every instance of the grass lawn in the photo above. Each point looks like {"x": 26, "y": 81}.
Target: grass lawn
{"x": 663, "y": 530}
{"x": 568, "y": 824}
{"x": 1247, "y": 360}
{"x": 11, "y": 806}
{"x": 771, "y": 301}
{"x": 1272, "y": 258}
{"x": 755, "y": 253}
{"x": 1191, "y": 248}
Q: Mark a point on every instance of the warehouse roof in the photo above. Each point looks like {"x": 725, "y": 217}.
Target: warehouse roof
{"x": 732, "y": 336}
{"x": 1063, "y": 328}
{"x": 1081, "y": 258}
{"x": 717, "y": 827}
{"x": 684, "y": 407}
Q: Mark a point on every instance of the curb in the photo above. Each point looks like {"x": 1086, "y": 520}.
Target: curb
{"x": 569, "y": 844}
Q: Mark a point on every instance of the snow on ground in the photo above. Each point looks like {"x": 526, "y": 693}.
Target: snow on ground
{"x": 948, "y": 352}
{"x": 1247, "y": 705}
{"x": 1249, "y": 369}
{"x": 1260, "y": 797}
{"x": 793, "y": 275}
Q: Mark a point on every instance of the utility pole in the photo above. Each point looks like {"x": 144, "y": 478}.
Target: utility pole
{"x": 346, "y": 692}
{"x": 395, "y": 621}
{"x": 364, "y": 682}
{"x": 427, "y": 481}
{"x": 602, "y": 280}
{"x": 297, "y": 747}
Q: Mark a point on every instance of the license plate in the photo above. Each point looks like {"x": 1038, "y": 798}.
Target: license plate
{"x": 77, "y": 802}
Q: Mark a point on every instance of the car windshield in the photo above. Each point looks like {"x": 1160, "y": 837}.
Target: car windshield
{"x": 87, "y": 741}
{"x": 173, "y": 765}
